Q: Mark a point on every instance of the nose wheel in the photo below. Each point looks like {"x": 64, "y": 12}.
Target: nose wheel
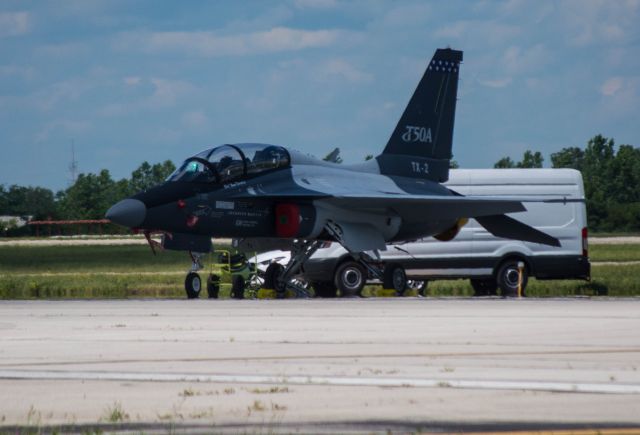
{"x": 193, "y": 282}
{"x": 193, "y": 285}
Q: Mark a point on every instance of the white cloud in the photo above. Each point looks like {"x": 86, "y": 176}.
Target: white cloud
{"x": 209, "y": 44}
{"x": 68, "y": 49}
{"x": 407, "y": 15}
{"x": 194, "y": 119}
{"x": 517, "y": 60}
{"x": 65, "y": 126}
{"x": 491, "y": 32}
{"x": 131, "y": 80}
{"x": 592, "y": 22}
{"x": 167, "y": 92}
{"x": 26, "y": 73}
{"x": 611, "y": 86}
{"x": 620, "y": 95}
{"x": 14, "y": 23}
{"x": 63, "y": 91}
{"x": 344, "y": 69}
{"x": 315, "y": 4}
{"x": 496, "y": 83}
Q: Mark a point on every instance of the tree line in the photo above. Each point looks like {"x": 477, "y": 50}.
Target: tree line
{"x": 611, "y": 179}
{"x": 87, "y": 198}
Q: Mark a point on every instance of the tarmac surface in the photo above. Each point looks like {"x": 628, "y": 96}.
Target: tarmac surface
{"x": 348, "y": 366}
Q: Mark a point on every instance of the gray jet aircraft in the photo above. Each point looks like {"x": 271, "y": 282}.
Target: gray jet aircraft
{"x": 266, "y": 194}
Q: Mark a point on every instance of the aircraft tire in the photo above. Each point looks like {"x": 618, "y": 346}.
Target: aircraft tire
{"x": 271, "y": 276}
{"x": 213, "y": 286}
{"x": 507, "y": 278}
{"x": 484, "y": 287}
{"x": 193, "y": 285}
{"x": 394, "y": 277}
{"x": 237, "y": 287}
{"x": 324, "y": 289}
{"x": 350, "y": 279}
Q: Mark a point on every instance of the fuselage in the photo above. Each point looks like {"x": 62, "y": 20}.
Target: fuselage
{"x": 259, "y": 190}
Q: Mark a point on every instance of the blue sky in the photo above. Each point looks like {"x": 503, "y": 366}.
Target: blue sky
{"x": 130, "y": 81}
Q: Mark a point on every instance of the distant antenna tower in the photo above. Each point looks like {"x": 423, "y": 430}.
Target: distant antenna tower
{"x": 73, "y": 166}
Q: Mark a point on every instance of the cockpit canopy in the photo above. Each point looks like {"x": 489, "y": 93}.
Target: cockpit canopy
{"x": 229, "y": 163}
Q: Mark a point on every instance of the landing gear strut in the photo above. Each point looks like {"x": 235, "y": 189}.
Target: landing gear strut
{"x": 193, "y": 283}
{"x": 282, "y": 278}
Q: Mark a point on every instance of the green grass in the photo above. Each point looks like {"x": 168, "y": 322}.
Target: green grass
{"x": 613, "y": 234}
{"x": 630, "y": 252}
{"x": 615, "y": 281}
{"x": 116, "y": 258}
{"x": 132, "y": 271}
{"x": 120, "y": 271}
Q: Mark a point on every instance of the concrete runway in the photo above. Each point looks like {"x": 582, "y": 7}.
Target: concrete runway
{"x": 355, "y": 365}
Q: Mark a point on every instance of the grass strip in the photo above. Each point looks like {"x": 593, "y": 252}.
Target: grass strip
{"x": 131, "y": 271}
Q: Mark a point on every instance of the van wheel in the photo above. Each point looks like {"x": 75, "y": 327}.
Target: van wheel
{"x": 213, "y": 286}
{"x": 324, "y": 289}
{"x": 237, "y": 287}
{"x": 193, "y": 285}
{"x": 350, "y": 279}
{"x": 395, "y": 278}
{"x": 485, "y": 287}
{"x": 507, "y": 278}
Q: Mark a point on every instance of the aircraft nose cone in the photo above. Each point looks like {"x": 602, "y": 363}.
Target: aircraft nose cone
{"x": 128, "y": 212}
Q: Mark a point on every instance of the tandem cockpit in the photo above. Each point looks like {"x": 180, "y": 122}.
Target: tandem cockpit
{"x": 230, "y": 163}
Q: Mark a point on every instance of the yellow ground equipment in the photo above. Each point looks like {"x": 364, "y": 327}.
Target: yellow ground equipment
{"x": 227, "y": 270}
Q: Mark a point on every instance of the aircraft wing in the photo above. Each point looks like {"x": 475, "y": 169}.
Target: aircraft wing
{"x": 434, "y": 207}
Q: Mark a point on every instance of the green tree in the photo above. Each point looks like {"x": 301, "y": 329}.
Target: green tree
{"x": 368, "y": 157}
{"x": 504, "y": 163}
{"x": 531, "y": 160}
{"x": 4, "y": 202}
{"x": 571, "y": 157}
{"x": 597, "y": 169}
{"x": 27, "y": 201}
{"x": 146, "y": 175}
{"x": 625, "y": 175}
{"x": 90, "y": 196}
{"x": 333, "y": 156}
{"x": 453, "y": 164}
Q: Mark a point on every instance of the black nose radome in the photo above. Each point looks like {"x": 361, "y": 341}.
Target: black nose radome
{"x": 128, "y": 212}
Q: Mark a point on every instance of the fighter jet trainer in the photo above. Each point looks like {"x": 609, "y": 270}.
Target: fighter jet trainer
{"x": 263, "y": 194}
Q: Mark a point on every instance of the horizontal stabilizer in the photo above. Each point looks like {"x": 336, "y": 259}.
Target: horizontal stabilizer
{"x": 509, "y": 228}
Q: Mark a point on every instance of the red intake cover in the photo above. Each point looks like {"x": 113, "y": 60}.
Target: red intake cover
{"x": 287, "y": 220}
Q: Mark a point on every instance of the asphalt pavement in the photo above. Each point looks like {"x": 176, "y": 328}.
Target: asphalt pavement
{"x": 354, "y": 365}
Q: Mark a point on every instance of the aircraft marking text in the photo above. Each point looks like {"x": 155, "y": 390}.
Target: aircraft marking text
{"x": 417, "y": 134}
{"x": 420, "y": 168}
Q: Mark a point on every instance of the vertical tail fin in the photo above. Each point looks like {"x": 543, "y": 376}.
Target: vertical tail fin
{"x": 420, "y": 145}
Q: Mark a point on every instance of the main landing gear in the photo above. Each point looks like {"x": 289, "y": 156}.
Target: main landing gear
{"x": 282, "y": 278}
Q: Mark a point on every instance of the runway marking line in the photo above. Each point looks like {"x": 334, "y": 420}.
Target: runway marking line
{"x": 316, "y": 356}
{"x": 564, "y": 387}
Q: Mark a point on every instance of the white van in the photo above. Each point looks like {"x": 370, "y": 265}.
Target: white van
{"x": 489, "y": 262}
